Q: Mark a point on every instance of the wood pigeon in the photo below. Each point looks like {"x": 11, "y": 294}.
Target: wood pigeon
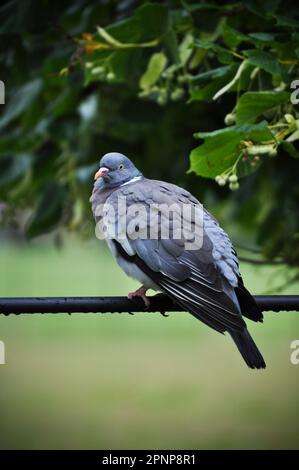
{"x": 203, "y": 279}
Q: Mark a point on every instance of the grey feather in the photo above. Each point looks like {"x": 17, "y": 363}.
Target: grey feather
{"x": 205, "y": 281}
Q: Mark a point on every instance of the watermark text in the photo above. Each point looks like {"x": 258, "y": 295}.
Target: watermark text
{"x": 2, "y": 352}
{"x": 2, "y": 92}
{"x": 122, "y": 220}
{"x": 294, "y": 358}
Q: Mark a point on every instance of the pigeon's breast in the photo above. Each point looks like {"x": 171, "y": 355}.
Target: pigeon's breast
{"x": 131, "y": 269}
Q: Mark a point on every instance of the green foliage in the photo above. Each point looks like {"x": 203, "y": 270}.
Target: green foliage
{"x": 46, "y": 215}
{"x": 156, "y": 65}
{"x": 222, "y": 149}
{"x": 23, "y": 98}
{"x": 143, "y": 78}
{"x": 253, "y": 104}
{"x": 267, "y": 68}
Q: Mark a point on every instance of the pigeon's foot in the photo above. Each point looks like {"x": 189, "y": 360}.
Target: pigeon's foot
{"x": 140, "y": 293}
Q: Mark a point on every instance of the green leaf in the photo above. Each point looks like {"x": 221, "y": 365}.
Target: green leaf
{"x": 155, "y": 67}
{"x": 20, "y": 101}
{"x": 262, "y": 38}
{"x": 288, "y": 21}
{"x": 218, "y": 72}
{"x": 224, "y": 55}
{"x": 253, "y": 103}
{"x": 200, "y": 6}
{"x": 294, "y": 136}
{"x": 229, "y": 86}
{"x": 287, "y": 51}
{"x": 181, "y": 21}
{"x": 289, "y": 148}
{"x": 216, "y": 79}
{"x": 266, "y": 61}
{"x": 65, "y": 103}
{"x": 121, "y": 64}
{"x": 171, "y": 47}
{"x": 12, "y": 168}
{"x": 220, "y": 149}
{"x": 262, "y": 9}
{"x": 185, "y": 50}
{"x": 260, "y": 130}
{"x": 232, "y": 37}
{"x": 49, "y": 210}
{"x": 150, "y": 21}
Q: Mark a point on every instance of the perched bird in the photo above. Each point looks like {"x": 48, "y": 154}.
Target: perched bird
{"x": 203, "y": 279}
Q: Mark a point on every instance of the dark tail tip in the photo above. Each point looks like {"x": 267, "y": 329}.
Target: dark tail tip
{"x": 248, "y": 349}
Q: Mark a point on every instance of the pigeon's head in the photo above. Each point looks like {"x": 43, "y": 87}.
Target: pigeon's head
{"x": 115, "y": 170}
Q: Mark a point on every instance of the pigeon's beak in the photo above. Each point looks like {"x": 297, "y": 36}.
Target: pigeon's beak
{"x": 101, "y": 172}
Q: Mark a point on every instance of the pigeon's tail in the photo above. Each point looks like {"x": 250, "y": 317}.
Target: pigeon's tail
{"x": 248, "y": 349}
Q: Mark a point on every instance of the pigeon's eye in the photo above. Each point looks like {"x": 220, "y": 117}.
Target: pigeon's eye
{"x": 121, "y": 167}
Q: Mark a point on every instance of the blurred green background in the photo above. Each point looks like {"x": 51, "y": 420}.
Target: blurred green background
{"x": 119, "y": 381}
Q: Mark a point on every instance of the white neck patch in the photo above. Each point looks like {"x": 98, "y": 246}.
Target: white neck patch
{"x": 136, "y": 178}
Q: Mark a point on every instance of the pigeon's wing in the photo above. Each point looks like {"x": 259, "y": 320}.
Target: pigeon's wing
{"x": 226, "y": 261}
{"x": 193, "y": 278}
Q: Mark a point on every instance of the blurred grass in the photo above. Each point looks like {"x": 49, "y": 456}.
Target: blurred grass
{"x": 143, "y": 381}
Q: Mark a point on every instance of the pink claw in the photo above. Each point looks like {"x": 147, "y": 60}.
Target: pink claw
{"x": 140, "y": 293}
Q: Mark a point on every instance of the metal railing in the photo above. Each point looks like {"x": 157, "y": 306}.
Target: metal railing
{"x": 158, "y": 303}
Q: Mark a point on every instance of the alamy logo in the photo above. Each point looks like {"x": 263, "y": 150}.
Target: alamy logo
{"x": 295, "y": 354}
{"x": 2, "y": 92}
{"x": 295, "y": 93}
{"x": 2, "y": 352}
{"x": 121, "y": 220}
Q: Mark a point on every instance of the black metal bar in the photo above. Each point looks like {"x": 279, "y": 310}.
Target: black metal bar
{"x": 159, "y": 303}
